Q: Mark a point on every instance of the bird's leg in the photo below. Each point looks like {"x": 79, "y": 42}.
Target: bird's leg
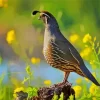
{"x": 66, "y": 74}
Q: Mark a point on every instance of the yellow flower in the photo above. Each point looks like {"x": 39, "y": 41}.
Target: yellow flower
{"x": 18, "y": 90}
{"x": 85, "y": 52}
{"x": 86, "y": 38}
{"x": 10, "y": 36}
{"x": 92, "y": 62}
{"x": 1, "y": 3}
{"x": 78, "y": 90}
{"x": 47, "y": 82}
{"x": 93, "y": 89}
{"x": 79, "y": 80}
{"x": 94, "y": 98}
{"x": 73, "y": 38}
{"x": 35, "y": 60}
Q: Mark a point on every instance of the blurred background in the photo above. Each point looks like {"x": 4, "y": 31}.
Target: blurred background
{"x": 21, "y": 38}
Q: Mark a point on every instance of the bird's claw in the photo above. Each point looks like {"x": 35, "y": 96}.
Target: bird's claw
{"x": 70, "y": 84}
{"x": 63, "y": 83}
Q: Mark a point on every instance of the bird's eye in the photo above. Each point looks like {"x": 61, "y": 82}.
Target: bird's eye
{"x": 42, "y": 15}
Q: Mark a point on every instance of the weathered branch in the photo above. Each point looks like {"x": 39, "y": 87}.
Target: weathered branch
{"x": 47, "y": 93}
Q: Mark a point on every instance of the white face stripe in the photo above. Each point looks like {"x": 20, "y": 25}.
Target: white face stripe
{"x": 46, "y": 15}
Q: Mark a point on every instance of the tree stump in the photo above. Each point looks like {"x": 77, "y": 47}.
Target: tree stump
{"x": 47, "y": 93}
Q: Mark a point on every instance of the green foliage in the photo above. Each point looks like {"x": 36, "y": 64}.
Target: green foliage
{"x": 29, "y": 78}
{"x": 32, "y": 91}
{"x": 1, "y": 60}
{"x": 55, "y": 97}
{"x": 74, "y": 16}
{"x": 86, "y": 93}
{"x": 94, "y": 44}
{"x": 5, "y": 90}
{"x": 61, "y": 96}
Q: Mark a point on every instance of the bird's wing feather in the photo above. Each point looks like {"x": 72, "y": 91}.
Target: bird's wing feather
{"x": 88, "y": 74}
{"x": 64, "y": 51}
{"x": 74, "y": 56}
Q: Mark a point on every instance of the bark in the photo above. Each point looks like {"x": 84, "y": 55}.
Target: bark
{"x": 47, "y": 93}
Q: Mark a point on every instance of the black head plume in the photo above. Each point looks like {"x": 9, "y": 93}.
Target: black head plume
{"x": 42, "y": 12}
{"x": 35, "y": 12}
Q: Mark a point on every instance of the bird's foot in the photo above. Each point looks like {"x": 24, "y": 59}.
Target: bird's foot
{"x": 63, "y": 83}
{"x": 70, "y": 84}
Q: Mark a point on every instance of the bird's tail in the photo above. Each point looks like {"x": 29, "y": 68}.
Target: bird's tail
{"x": 89, "y": 75}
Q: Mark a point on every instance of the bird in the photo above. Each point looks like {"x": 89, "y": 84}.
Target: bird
{"x": 59, "y": 52}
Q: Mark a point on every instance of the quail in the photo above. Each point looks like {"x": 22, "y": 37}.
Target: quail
{"x": 59, "y": 52}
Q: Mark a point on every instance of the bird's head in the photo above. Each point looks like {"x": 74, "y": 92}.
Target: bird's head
{"x": 48, "y": 18}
